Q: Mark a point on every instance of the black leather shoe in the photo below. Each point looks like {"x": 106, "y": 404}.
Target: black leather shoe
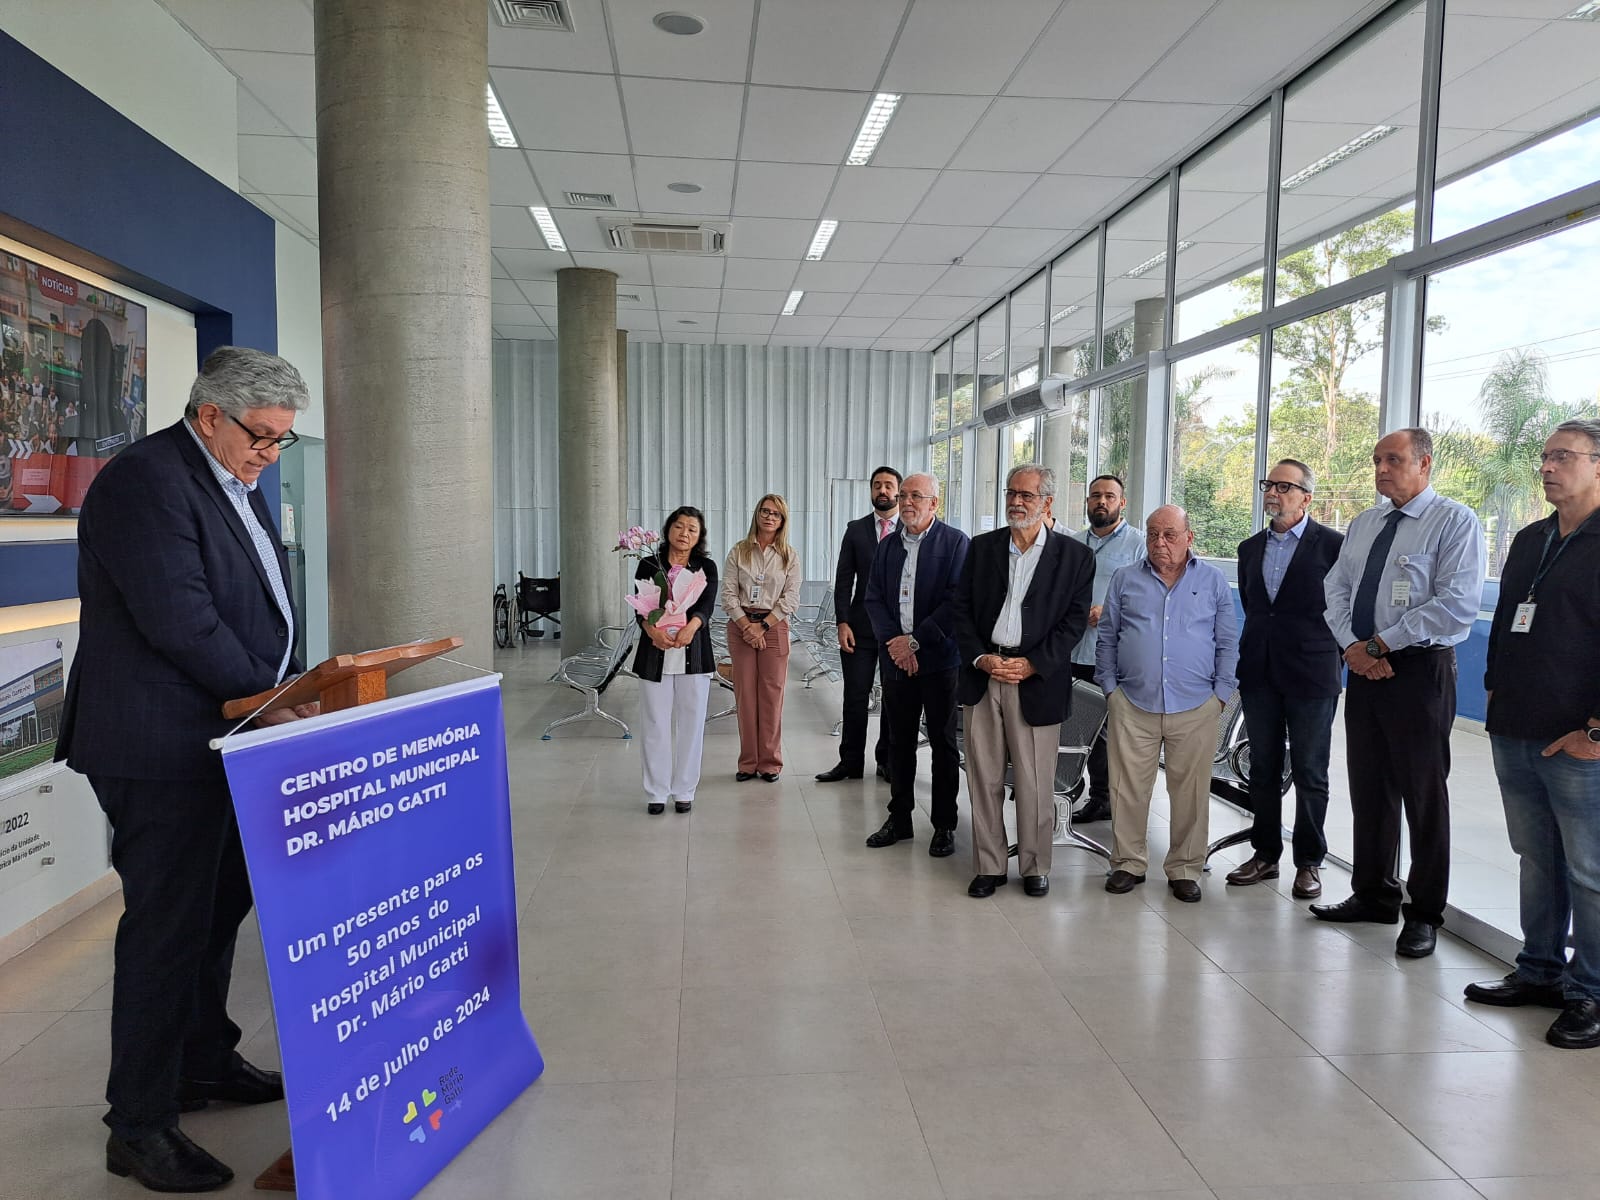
{"x": 1578, "y": 1028}
{"x": 1186, "y": 890}
{"x": 1122, "y": 881}
{"x": 1416, "y": 940}
{"x": 655, "y": 808}
{"x": 1512, "y": 992}
{"x": 166, "y": 1162}
{"x": 942, "y": 844}
{"x": 1036, "y": 885}
{"x": 1254, "y": 871}
{"x": 983, "y": 886}
{"x": 836, "y": 773}
{"x": 769, "y": 776}
{"x": 246, "y": 1085}
{"x": 883, "y": 772}
{"x": 1347, "y": 912}
{"x": 743, "y": 776}
{"x": 891, "y": 832}
{"x": 682, "y": 805}
{"x": 1095, "y": 810}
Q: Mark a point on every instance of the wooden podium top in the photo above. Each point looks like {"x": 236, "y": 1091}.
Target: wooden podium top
{"x": 345, "y": 680}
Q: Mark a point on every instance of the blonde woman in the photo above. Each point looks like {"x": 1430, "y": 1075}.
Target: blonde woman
{"x": 760, "y": 593}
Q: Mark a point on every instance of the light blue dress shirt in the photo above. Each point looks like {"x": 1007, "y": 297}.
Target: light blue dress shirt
{"x": 1168, "y": 649}
{"x": 1438, "y": 551}
{"x": 1279, "y": 553}
{"x": 1123, "y": 545}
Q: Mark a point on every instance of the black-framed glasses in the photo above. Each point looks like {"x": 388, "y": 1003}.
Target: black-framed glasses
{"x": 769, "y": 512}
{"x": 1282, "y": 486}
{"x": 1561, "y": 458}
{"x": 1025, "y": 497}
{"x": 260, "y": 441}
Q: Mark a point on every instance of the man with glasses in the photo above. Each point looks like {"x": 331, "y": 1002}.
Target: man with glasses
{"x": 1543, "y": 680}
{"x": 911, "y": 597}
{"x": 1290, "y": 676}
{"x": 185, "y": 604}
{"x": 1022, "y": 605}
{"x": 1115, "y": 544}
{"x": 1402, "y": 595}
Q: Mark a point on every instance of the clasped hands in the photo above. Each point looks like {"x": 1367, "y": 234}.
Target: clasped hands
{"x": 754, "y": 635}
{"x": 672, "y": 639}
{"x": 1006, "y": 670}
{"x": 902, "y": 655}
{"x": 1364, "y": 665}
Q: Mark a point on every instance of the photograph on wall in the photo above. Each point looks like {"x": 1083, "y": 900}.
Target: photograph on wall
{"x": 32, "y": 695}
{"x": 72, "y": 385}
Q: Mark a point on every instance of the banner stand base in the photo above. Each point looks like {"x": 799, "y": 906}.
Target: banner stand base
{"x": 279, "y": 1177}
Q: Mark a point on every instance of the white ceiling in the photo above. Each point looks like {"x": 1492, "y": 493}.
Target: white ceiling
{"x": 1023, "y": 123}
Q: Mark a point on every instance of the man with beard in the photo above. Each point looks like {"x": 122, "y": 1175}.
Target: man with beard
{"x": 1115, "y": 544}
{"x": 858, "y": 647}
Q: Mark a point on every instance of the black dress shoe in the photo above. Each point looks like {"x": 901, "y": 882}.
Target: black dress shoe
{"x": 244, "y": 1085}
{"x": 1578, "y": 1028}
{"x": 942, "y": 844}
{"x": 769, "y": 776}
{"x": 1186, "y": 890}
{"x": 682, "y": 805}
{"x": 1095, "y": 810}
{"x": 1036, "y": 885}
{"x": 655, "y": 808}
{"x": 835, "y": 774}
{"x": 1254, "y": 871}
{"x": 983, "y": 886}
{"x": 892, "y": 831}
{"x": 883, "y": 772}
{"x": 1122, "y": 881}
{"x": 1416, "y": 940}
{"x": 1512, "y": 992}
{"x": 166, "y": 1162}
{"x": 1347, "y": 912}
{"x": 743, "y": 776}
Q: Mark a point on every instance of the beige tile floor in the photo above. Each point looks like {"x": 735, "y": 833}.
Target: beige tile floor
{"x": 746, "y": 1002}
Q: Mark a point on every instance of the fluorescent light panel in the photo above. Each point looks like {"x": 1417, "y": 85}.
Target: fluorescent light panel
{"x": 792, "y": 303}
{"x": 1354, "y": 146}
{"x": 1585, "y": 12}
{"x": 820, "y": 240}
{"x": 499, "y": 128}
{"x": 1153, "y": 262}
{"x": 547, "y": 227}
{"x": 1065, "y": 313}
{"x": 872, "y": 128}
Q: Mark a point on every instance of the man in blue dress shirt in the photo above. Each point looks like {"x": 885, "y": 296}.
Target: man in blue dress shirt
{"x": 1403, "y": 593}
{"x": 1167, "y": 649}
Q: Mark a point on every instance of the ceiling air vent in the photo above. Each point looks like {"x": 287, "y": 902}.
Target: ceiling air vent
{"x": 649, "y": 236}
{"x": 591, "y": 200}
{"x": 534, "y": 14}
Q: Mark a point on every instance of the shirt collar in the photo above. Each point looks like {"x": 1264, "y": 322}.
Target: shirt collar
{"x": 1038, "y": 540}
{"x": 1420, "y": 503}
{"x": 1295, "y": 531}
{"x": 224, "y": 476}
{"x": 1122, "y": 525}
{"x": 912, "y": 539}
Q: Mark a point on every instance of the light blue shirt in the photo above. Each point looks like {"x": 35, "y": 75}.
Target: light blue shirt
{"x": 1279, "y": 553}
{"x": 1123, "y": 545}
{"x": 238, "y": 494}
{"x": 1168, "y": 649}
{"x": 1438, "y": 554}
{"x": 908, "y": 574}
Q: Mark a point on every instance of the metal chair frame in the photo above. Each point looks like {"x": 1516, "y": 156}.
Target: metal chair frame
{"x": 591, "y": 671}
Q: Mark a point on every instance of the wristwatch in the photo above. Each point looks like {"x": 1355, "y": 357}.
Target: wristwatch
{"x": 1594, "y": 733}
{"x": 912, "y": 642}
{"x": 1373, "y": 649}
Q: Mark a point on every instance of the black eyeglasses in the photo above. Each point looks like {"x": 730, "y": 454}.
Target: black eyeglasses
{"x": 1025, "y": 497}
{"x": 260, "y": 441}
{"x": 1282, "y": 486}
{"x": 769, "y": 512}
{"x": 1561, "y": 458}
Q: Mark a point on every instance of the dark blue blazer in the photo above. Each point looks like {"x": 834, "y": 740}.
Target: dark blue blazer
{"x": 850, "y": 578}
{"x": 939, "y": 563}
{"x": 177, "y": 615}
{"x": 1286, "y": 643}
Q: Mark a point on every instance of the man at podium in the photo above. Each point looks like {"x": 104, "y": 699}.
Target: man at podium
{"x": 185, "y": 604}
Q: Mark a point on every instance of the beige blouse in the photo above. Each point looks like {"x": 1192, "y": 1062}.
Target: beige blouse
{"x": 761, "y": 581}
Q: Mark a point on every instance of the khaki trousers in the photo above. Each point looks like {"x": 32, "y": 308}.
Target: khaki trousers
{"x": 758, "y": 679}
{"x": 1135, "y": 740}
{"x": 996, "y": 731}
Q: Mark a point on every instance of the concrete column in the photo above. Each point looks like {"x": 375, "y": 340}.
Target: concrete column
{"x": 1147, "y": 457}
{"x": 403, "y": 188}
{"x": 625, "y": 566}
{"x": 590, "y": 448}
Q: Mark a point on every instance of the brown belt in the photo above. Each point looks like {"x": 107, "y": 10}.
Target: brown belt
{"x": 757, "y": 614}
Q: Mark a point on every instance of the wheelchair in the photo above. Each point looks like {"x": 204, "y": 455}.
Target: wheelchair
{"x": 504, "y": 619}
{"x": 538, "y": 600}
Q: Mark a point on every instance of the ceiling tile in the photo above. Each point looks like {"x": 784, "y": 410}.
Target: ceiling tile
{"x": 1026, "y": 135}
{"x": 878, "y": 193}
{"x": 824, "y": 304}
{"x": 684, "y": 338}
{"x": 891, "y": 344}
{"x": 1141, "y": 139}
{"x": 280, "y": 165}
{"x": 850, "y": 343}
{"x": 714, "y": 175}
{"x": 942, "y": 308}
{"x": 580, "y": 229}
{"x": 1533, "y": 74}
{"x": 297, "y": 212}
{"x": 629, "y": 268}
{"x": 800, "y": 125}
{"x": 758, "y": 273}
{"x": 781, "y": 189}
{"x": 956, "y": 46}
{"x": 506, "y": 291}
{"x": 1369, "y": 86}
{"x": 686, "y": 270}
{"x": 907, "y": 279}
{"x": 824, "y": 43}
{"x": 525, "y": 333}
{"x": 973, "y": 281}
{"x": 1072, "y": 57}
{"x": 771, "y": 237}
{"x": 927, "y": 129}
{"x": 285, "y": 83}
{"x": 933, "y": 244}
{"x": 282, "y": 26}
{"x": 740, "y": 323}
{"x": 720, "y": 51}
{"x": 860, "y": 327}
{"x": 587, "y": 48}
{"x": 513, "y": 314}
{"x": 971, "y": 197}
{"x": 254, "y": 117}
{"x": 563, "y": 171}
{"x": 742, "y": 300}
{"x": 832, "y": 276}
{"x": 552, "y": 110}
{"x": 539, "y": 291}
{"x": 1014, "y": 247}
{"x": 674, "y": 118}
{"x": 914, "y": 327}
{"x": 676, "y": 299}
{"x": 1068, "y": 202}
{"x": 802, "y": 325}
{"x": 510, "y": 181}
{"x": 860, "y": 241}
{"x": 867, "y": 304}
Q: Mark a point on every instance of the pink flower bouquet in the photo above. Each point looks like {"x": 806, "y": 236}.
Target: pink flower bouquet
{"x": 667, "y": 607}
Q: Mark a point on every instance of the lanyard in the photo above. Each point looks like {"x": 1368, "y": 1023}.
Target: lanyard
{"x": 1549, "y": 537}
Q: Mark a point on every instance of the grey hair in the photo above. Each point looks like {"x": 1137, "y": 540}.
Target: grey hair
{"x": 1047, "y": 477}
{"x": 237, "y": 379}
{"x": 1589, "y": 427}
{"x": 1308, "y": 477}
{"x": 1421, "y": 442}
{"x": 933, "y": 483}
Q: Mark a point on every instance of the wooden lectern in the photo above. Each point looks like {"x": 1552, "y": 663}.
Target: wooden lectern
{"x": 343, "y": 681}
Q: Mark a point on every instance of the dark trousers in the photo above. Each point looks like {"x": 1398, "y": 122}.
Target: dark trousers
{"x": 906, "y": 702}
{"x": 859, "y": 666}
{"x": 1270, "y": 716}
{"x": 1397, "y": 739}
{"x": 175, "y": 845}
{"x": 1099, "y": 767}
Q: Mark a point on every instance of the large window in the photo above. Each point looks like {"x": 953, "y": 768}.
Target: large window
{"x": 1115, "y": 427}
{"x": 962, "y": 375}
{"x": 1222, "y": 223}
{"x": 1213, "y": 450}
{"x": 941, "y": 389}
{"x": 1073, "y": 284}
{"x": 1027, "y": 333}
{"x": 1136, "y": 279}
{"x": 1064, "y": 448}
{"x": 991, "y": 356}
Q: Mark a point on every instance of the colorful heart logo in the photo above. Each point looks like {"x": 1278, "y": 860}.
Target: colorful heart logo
{"x": 428, "y": 1097}
{"x": 435, "y": 1117}
{"x": 418, "y": 1136}
{"x": 411, "y": 1112}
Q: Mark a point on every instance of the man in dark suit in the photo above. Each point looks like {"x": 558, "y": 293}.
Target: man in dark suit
{"x": 911, "y": 594}
{"x": 1022, "y": 606}
{"x": 1290, "y": 674}
{"x": 185, "y": 604}
{"x": 858, "y": 646}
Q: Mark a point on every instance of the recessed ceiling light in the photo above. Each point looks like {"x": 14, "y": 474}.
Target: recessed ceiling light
{"x": 547, "y": 227}
{"x": 499, "y": 127}
{"x": 681, "y": 24}
{"x": 792, "y": 303}
{"x": 681, "y": 321}
{"x": 1585, "y": 12}
{"x": 686, "y": 188}
{"x": 820, "y": 240}
{"x": 1354, "y": 146}
{"x": 872, "y": 127}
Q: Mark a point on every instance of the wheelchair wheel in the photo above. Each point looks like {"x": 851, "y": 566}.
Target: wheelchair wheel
{"x": 502, "y": 618}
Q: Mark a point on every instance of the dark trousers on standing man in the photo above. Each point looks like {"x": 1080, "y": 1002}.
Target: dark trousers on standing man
{"x": 175, "y": 843}
{"x": 907, "y": 702}
{"x": 1397, "y": 739}
{"x": 1270, "y": 716}
{"x": 858, "y": 668}
{"x": 1099, "y": 767}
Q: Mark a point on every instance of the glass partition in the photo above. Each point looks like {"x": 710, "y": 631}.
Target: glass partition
{"x": 1213, "y": 445}
{"x": 991, "y": 356}
{"x": 1074, "y": 278}
{"x": 941, "y": 389}
{"x": 1026, "y": 341}
{"x": 1115, "y": 433}
{"x": 1064, "y": 448}
{"x": 962, "y": 374}
{"x": 1136, "y": 279}
{"x": 1222, "y": 222}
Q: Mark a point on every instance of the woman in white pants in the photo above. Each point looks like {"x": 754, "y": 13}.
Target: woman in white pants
{"x": 674, "y": 669}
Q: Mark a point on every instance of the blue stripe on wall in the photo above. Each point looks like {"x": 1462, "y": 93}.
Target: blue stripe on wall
{"x": 33, "y": 572}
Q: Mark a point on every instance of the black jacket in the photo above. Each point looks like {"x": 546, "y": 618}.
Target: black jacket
{"x": 850, "y": 578}
{"x": 1286, "y": 643}
{"x": 700, "y": 660}
{"x": 1055, "y": 612}
{"x": 939, "y": 563}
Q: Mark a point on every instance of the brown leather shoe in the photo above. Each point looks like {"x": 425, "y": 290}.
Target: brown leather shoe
{"x": 1254, "y": 871}
{"x": 1307, "y": 884}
